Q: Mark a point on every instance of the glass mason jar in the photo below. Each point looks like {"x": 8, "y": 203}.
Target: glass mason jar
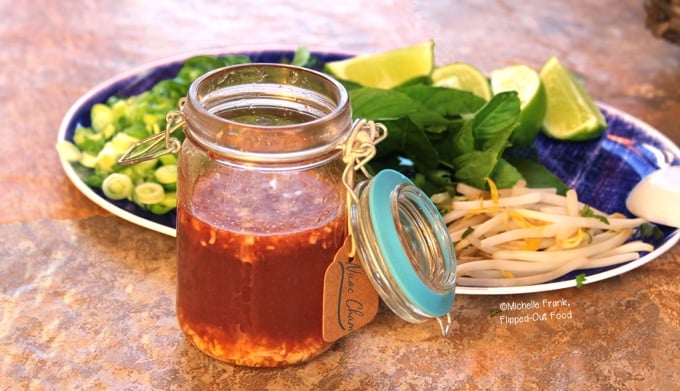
{"x": 265, "y": 191}
{"x": 261, "y": 211}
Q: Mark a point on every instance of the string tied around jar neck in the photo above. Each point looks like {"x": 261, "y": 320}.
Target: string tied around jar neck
{"x": 358, "y": 150}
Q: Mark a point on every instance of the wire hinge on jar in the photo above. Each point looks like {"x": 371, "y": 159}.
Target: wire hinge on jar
{"x": 158, "y": 144}
{"x": 359, "y": 149}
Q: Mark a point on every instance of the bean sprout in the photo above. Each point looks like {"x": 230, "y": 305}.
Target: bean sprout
{"x": 524, "y": 236}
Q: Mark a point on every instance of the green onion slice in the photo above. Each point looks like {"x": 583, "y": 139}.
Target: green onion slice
{"x": 117, "y": 186}
{"x": 149, "y": 193}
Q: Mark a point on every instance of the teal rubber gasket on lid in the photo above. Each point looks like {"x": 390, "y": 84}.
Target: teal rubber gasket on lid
{"x": 387, "y": 237}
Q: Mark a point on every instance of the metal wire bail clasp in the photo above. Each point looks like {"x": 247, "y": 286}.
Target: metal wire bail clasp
{"x": 359, "y": 149}
{"x": 158, "y": 144}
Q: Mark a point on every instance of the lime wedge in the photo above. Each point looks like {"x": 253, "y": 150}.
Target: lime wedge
{"x": 464, "y": 77}
{"x": 532, "y": 97}
{"x": 386, "y": 69}
{"x": 571, "y": 114}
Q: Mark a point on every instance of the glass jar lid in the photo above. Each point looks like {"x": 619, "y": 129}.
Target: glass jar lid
{"x": 404, "y": 245}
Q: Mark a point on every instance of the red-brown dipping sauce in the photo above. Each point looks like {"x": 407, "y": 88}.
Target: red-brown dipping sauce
{"x": 253, "y": 247}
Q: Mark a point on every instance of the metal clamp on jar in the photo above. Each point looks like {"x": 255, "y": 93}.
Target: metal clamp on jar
{"x": 265, "y": 198}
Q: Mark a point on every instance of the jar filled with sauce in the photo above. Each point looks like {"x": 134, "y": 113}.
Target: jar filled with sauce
{"x": 261, "y": 211}
{"x": 267, "y": 208}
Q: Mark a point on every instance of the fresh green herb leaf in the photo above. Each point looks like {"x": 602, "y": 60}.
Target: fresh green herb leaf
{"x": 536, "y": 175}
{"x": 580, "y": 280}
{"x": 406, "y": 138}
{"x": 474, "y": 166}
{"x": 467, "y": 232}
{"x": 505, "y": 175}
{"x": 447, "y": 103}
{"x": 650, "y": 231}
{"x": 495, "y": 311}
{"x": 587, "y": 211}
{"x": 478, "y": 147}
{"x": 494, "y": 123}
{"x": 440, "y": 177}
{"x": 381, "y": 105}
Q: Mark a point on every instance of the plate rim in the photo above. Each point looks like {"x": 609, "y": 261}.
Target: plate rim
{"x": 117, "y": 211}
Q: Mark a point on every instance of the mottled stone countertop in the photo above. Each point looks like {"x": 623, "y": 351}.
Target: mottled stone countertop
{"x": 87, "y": 299}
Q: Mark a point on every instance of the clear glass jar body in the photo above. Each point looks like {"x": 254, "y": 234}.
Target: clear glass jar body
{"x": 261, "y": 211}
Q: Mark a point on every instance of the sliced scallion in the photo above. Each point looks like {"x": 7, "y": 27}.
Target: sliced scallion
{"x": 117, "y": 186}
{"x": 149, "y": 193}
{"x": 122, "y": 141}
{"x": 102, "y": 117}
{"x": 107, "y": 157}
{"x": 169, "y": 203}
{"x": 166, "y": 174}
{"x": 68, "y": 151}
{"x": 88, "y": 160}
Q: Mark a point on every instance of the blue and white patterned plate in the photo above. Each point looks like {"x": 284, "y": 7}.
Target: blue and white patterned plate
{"x": 603, "y": 171}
